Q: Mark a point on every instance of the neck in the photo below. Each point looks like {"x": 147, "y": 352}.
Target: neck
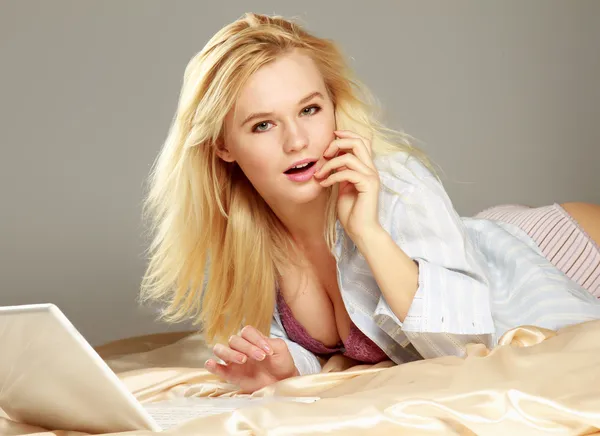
{"x": 305, "y": 222}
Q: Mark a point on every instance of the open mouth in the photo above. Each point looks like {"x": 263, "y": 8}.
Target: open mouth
{"x": 300, "y": 168}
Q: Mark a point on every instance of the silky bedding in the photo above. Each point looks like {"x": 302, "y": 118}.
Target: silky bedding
{"x": 534, "y": 382}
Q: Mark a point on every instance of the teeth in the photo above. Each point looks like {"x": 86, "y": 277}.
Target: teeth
{"x": 301, "y": 166}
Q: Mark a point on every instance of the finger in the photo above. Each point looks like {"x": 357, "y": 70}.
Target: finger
{"x": 278, "y": 345}
{"x": 346, "y": 161}
{"x": 243, "y": 346}
{"x": 350, "y": 134}
{"x": 218, "y": 369}
{"x": 360, "y": 181}
{"x": 350, "y": 145}
{"x": 228, "y": 355}
{"x": 256, "y": 338}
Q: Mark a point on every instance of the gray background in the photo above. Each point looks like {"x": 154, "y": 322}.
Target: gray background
{"x": 504, "y": 95}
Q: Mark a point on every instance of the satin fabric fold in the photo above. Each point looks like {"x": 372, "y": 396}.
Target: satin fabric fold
{"x": 535, "y": 382}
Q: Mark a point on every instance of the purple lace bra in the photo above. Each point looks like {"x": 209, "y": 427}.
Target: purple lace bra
{"x": 357, "y": 346}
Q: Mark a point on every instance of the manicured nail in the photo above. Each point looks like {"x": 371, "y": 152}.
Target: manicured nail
{"x": 259, "y": 355}
{"x": 266, "y": 347}
{"x": 241, "y": 359}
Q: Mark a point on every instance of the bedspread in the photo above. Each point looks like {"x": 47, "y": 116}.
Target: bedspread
{"x": 535, "y": 382}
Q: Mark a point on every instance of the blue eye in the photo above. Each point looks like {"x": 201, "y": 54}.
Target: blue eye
{"x": 257, "y": 128}
{"x": 316, "y": 109}
{"x": 264, "y": 126}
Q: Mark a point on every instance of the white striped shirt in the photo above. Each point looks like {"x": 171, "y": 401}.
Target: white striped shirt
{"x": 477, "y": 278}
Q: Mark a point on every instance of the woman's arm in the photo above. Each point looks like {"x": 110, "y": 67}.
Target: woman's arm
{"x": 396, "y": 273}
{"x": 443, "y": 302}
{"x": 432, "y": 279}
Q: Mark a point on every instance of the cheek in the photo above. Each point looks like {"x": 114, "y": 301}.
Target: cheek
{"x": 325, "y": 133}
{"x": 258, "y": 167}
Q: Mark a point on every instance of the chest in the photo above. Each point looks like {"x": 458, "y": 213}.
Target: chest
{"x": 312, "y": 293}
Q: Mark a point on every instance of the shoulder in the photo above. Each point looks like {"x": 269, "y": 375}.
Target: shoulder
{"x": 401, "y": 170}
{"x": 395, "y": 163}
{"x": 410, "y": 192}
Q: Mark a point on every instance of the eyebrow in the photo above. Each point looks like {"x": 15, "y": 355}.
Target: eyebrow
{"x": 268, "y": 114}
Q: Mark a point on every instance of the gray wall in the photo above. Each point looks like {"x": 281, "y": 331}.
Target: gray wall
{"x": 505, "y": 96}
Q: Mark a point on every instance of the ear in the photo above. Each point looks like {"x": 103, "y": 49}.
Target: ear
{"x": 223, "y": 152}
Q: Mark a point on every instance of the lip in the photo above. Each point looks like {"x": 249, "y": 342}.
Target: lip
{"x": 305, "y": 175}
{"x": 300, "y": 162}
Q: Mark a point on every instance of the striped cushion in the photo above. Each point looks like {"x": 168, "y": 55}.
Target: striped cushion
{"x": 560, "y": 238}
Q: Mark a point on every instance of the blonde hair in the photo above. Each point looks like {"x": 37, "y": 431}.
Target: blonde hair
{"x": 217, "y": 247}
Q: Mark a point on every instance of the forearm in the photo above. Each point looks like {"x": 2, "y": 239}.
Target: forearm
{"x": 395, "y": 273}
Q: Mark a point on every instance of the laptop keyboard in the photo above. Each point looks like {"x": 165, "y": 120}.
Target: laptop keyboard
{"x": 171, "y": 413}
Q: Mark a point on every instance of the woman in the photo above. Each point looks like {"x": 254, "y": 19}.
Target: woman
{"x": 280, "y": 205}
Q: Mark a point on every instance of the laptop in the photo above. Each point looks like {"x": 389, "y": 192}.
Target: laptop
{"x": 50, "y": 376}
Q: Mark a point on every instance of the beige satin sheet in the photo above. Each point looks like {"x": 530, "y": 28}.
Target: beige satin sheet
{"x": 536, "y": 382}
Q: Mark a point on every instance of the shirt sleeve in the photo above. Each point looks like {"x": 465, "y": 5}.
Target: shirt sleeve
{"x": 306, "y": 362}
{"x": 451, "y": 307}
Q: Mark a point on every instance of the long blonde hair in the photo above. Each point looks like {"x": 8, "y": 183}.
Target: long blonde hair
{"x": 217, "y": 248}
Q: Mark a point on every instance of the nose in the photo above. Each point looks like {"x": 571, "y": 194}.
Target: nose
{"x": 296, "y": 138}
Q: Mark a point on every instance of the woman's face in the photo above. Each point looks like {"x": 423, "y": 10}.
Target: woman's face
{"x": 282, "y": 118}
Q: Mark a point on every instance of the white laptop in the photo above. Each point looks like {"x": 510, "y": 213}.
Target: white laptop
{"x": 50, "y": 376}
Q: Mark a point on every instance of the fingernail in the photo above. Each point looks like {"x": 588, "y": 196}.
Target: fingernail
{"x": 241, "y": 359}
{"x": 259, "y": 355}
{"x": 208, "y": 363}
{"x": 267, "y": 348}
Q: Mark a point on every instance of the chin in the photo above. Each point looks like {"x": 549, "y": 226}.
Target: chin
{"x": 306, "y": 193}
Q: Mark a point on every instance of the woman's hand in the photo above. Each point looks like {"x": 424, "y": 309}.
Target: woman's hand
{"x": 252, "y": 361}
{"x": 358, "y": 177}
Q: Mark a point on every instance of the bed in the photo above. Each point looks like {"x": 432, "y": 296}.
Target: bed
{"x": 535, "y": 382}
